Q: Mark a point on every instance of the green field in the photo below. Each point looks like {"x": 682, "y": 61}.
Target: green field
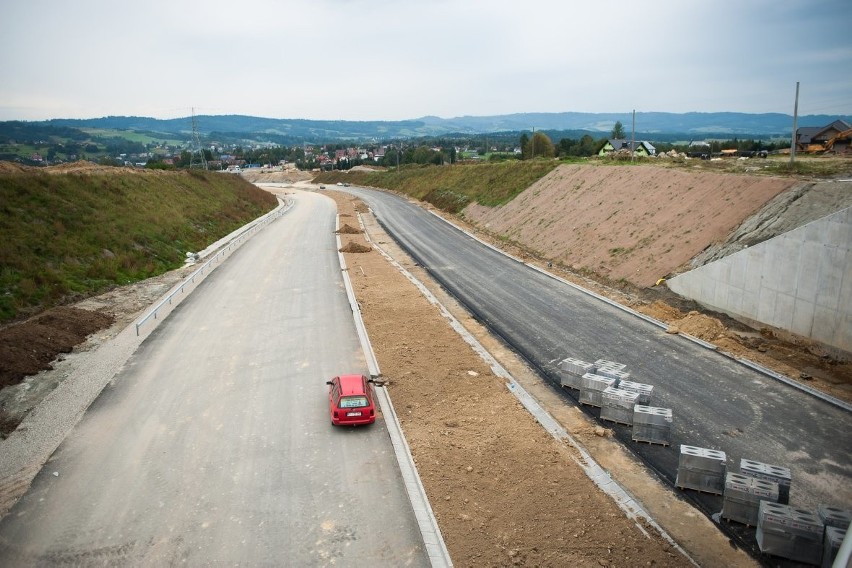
{"x": 142, "y": 138}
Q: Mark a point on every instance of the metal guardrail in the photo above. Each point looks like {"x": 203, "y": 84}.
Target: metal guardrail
{"x": 232, "y": 244}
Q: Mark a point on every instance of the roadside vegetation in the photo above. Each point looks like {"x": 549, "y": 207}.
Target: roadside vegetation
{"x": 71, "y": 235}
{"x": 452, "y": 188}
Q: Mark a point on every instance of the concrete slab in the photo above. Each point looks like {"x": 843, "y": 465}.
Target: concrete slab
{"x": 785, "y": 281}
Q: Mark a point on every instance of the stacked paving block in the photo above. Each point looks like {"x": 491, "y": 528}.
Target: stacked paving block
{"x": 743, "y": 495}
{"x": 642, "y": 389}
{"x": 701, "y": 469}
{"x": 834, "y": 517}
{"x": 836, "y": 522}
{"x": 652, "y": 424}
{"x": 617, "y": 405}
{"x": 790, "y": 533}
{"x": 617, "y": 373}
{"x": 611, "y": 364}
{"x": 574, "y": 369}
{"x": 592, "y": 387}
{"x": 766, "y": 472}
{"x": 831, "y": 545}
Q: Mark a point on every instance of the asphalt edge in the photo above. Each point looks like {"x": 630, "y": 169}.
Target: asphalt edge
{"x": 433, "y": 540}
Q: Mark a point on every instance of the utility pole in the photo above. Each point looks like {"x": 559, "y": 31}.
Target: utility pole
{"x": 633, "y": 138}
{"x": 532, "y": 145}
{"x": 795, "y": 126}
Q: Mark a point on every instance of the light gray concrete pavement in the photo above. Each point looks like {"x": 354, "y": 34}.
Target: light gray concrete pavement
{"x": 214, "y": 445}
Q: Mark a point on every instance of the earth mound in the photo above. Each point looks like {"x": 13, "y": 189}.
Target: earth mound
{"x": 30, "y": 346}
{"x": 347, "y": 229}
{"x": 355, "y": 247}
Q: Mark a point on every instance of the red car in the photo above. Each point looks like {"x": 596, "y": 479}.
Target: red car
{"x": 350, "y": 400}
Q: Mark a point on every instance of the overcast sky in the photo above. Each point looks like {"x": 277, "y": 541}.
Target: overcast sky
{"x": 404, "y": 59}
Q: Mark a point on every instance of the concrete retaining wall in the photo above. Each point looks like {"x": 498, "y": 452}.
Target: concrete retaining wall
{"x": 800, "y": 281}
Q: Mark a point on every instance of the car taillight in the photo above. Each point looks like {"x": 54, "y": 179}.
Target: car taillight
{"x": 371, "y": 412}
{"x": 335, "y": 414}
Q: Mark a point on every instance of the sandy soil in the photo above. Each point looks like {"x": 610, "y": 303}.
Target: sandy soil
{"x": 626, "y": 222}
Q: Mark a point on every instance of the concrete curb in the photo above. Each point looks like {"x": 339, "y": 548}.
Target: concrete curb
{"x": 433, "y": 541}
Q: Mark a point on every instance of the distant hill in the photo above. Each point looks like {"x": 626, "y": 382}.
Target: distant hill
{"x": 663, "y": 122}
{"x": 653, "y": 125}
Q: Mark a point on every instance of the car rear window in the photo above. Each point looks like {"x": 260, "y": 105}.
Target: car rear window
{"x": 353, "y": 402}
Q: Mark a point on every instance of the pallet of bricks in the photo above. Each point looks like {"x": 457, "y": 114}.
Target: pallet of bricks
{"x": 606, "y": 374}
{"x": 788, "y": 532}
{"x": 644, "y": 391}
{"x": 652, "y": 424}
{"x": 754, "y": 483}
{"x": 611, "y": 369}
{"x": 701, "y": 469}
{"x": 836, "y": 522}
{"x": 743, "y": 495}
{"x": 574, "y": 371}
{"x": 592, "y": 387}
{"x": 617, "y": 405}
{"x": 772, "y": 473}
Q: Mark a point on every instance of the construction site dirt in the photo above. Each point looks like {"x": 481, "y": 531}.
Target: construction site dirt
{"x": 503, "y": 490}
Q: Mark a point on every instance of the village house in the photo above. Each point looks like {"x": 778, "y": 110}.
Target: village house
{"x": 642, "y": 148}
{"x": 834, "y": 136}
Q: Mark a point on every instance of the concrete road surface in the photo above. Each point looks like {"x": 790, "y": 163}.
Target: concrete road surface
{"x": 717, "y": 403}
{"x": 214, "y": 444}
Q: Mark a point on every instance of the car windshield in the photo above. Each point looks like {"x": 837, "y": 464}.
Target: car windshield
{"x": 353, "y": 401}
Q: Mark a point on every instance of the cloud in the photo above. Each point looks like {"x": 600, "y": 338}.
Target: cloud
{"x": 390, "y": 60}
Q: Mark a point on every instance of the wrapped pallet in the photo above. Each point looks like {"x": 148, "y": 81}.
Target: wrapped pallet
{"x": 834, "y": 517}
{"x": 652, "y": 424}
{"x": 767, "y": 472}
{"x": 574, "y": 369}
{"x": 592, "y": 387}
{"x": 790, "y": 533}
{"x": 743, "y": 495}
{"x": 613, "y": 373}
{"x": 831, "y": 545}
{"x": 617, "y": 405}
{"x": 701, "y": 469}
{"x": 642, "y": 389}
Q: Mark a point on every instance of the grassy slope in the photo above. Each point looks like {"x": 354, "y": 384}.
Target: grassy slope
{"x": 452, "y": 187}
{"x": 77, "y": 234}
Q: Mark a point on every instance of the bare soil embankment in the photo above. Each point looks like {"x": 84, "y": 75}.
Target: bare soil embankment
{"x": 637, "y": 223}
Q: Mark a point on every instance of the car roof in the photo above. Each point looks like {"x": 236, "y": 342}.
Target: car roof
{"x": 352, "y": 385}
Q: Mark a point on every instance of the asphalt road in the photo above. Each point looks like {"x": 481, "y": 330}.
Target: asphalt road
{"x": 717, "y": 403}
{"x": 214, "y": 446}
